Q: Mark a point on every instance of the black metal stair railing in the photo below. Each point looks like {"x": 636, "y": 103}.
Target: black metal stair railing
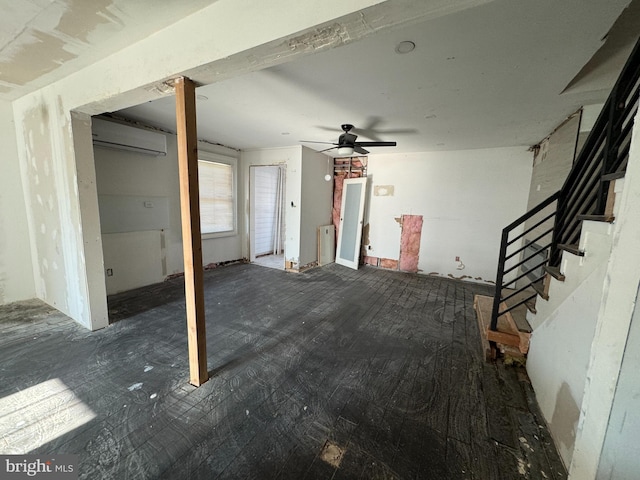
{"x": 523, "y": 256}
{"x": 557, "y": 221}
{"x": 604, "y": 154}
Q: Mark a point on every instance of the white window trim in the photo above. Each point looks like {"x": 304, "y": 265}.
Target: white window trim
{"x": 233, "y": 162}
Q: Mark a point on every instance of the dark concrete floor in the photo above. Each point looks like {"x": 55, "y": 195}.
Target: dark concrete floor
{"x": 332, "y": 373}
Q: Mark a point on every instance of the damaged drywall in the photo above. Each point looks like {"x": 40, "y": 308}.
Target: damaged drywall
{"x": 383, "y": 190}
{"x": 45, "y": 53}
{"x": 56, "y": 189}
{"x": 16, "y": 275}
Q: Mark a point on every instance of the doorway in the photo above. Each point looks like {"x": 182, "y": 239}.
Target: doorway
{"x": 266, "y": 219}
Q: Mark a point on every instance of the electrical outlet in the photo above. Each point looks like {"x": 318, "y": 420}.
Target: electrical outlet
{"x": 457, "y": 259}
{"x": 109, "y": 272}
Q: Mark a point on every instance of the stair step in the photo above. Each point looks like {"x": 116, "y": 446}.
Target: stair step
{"x": 531, "y": 306}
{"x": 597, "y": 218}
{"x": 555, "y": 273}
{"x": 613, "y": 176}
{"x": 573, "y": 248}
{"x": 517, "y": 319}
{"x": 508, "y": 332}
{"x": 540, "y": 290}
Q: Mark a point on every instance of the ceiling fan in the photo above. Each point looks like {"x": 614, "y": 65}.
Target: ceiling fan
{"x": 347, "y": 143}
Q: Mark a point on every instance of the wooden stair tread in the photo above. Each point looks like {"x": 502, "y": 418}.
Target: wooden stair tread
{"x": 519, "y": 317}
{"x": 555, "y": 273}
{"x": 613, "y": 176}
{"x": 529, "y": 304}
{"x": 519, "y": 313}
{"x": 597, "y": 218}
{"x": 571, "y": 248}
{"x": 540, "y": 290}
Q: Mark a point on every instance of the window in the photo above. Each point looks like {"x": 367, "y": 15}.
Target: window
{"x": 217, "y": 194}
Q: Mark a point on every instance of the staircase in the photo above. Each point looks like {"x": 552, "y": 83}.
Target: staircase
{"x": 565, "y": 235}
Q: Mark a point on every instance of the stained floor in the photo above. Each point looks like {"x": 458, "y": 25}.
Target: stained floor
{"x": 329, "y": 374}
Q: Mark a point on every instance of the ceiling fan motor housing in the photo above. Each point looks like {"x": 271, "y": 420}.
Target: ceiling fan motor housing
{"x": 347, "y": 139}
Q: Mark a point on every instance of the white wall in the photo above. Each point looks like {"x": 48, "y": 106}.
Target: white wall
{"x": 139, "y": 258}
{"x": 315, "y": 204}
{"x": 16, "y": 271}
{"x": 617, "y": 307}
{"x": 621, "y": 450}
{"x": 564, "y": 339}
{"x": 465, "y": 198}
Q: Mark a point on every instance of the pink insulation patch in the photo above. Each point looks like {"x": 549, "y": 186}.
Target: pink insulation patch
{"x": 410, "y": 242}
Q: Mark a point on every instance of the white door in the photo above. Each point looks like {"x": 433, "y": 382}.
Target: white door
{"x": 266, "y": 210}
{"x": 351, "y": 217}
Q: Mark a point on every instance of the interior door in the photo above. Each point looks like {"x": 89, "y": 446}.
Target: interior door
{"x": 351, "y": 217}
{"x": 265, "y": 191}
{"x": 266, "y": 217}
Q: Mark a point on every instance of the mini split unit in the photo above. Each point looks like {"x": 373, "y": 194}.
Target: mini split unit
{"x": 120, "y": 136}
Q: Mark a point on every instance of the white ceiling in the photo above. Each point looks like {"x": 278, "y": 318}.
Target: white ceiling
{"x": 488, "y": 76}
{"x": 484, "y": 77}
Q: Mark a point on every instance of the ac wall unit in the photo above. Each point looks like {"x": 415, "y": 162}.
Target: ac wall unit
{"x": 124, "y": 137}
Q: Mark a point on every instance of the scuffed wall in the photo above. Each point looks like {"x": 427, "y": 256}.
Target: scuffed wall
{"x": 568, "y": 334}
{"x": 16, "y": 271}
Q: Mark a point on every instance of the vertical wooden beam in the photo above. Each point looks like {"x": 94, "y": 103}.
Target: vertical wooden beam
{"x": 191, "y": 238}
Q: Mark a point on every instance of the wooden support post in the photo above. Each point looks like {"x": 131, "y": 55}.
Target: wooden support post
{"x": 191, "y": 238}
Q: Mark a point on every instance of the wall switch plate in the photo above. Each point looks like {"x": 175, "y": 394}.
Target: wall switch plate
{"x": 109, "y": 272}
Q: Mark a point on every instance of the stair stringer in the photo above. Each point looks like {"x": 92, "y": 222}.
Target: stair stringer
{"x": 595, "y": 241}
{"x": 563, "y": 330}
{"x": 558, "y": 359}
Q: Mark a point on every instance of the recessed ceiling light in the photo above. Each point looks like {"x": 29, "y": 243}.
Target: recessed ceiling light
{"x": 202, "y": 97}
{"x": 405, "y": 47}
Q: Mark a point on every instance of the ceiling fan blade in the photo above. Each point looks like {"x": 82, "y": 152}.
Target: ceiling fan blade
{"x": 377, "y": 144}
{"x": 311, "y": 141}
{"x": 359, "y": 149}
